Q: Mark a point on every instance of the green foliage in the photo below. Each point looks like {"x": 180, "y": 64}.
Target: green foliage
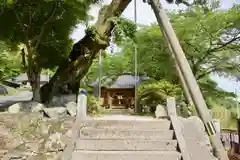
{"x": 156, "y": 92}
{"x": 210, "y": 41}
{"x": 49, "y": 72}
{"x": 112, "y": 65}
{"x": 153, "y": 56}
{"x": 203, "y": 38}
{"x": 204, "y": 4}
{"x": 227, "y": 117}
{"x": 94, "y": 106}
{"x": 125, "y": 29}
{"x": 212, "y": 93}
{"x": 10, "y": 65}
{"x": 42, "y": 26}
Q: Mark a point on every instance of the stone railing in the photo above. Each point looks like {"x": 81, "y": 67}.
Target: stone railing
{"x": 81, "y": 115}
{"x": 172, "y": 113}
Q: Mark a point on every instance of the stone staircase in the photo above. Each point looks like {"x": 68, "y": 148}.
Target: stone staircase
{"x": 126, "y": 137}
{"x": 126, "y": 140}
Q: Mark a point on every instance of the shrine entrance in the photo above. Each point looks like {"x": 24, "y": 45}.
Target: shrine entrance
{"x": 117, "y": 97}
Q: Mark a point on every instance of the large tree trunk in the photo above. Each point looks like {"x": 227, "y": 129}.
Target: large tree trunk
{"x": 33, "y": 72}
{"x": 84, "y": 51}
{"x": 34, "y": 79}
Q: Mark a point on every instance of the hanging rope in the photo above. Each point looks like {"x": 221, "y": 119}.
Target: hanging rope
{"x": 112, "y": 42}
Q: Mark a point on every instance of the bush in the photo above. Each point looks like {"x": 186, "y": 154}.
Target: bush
{"x": 152, "y": 94}
{"x": 94, "y": 106}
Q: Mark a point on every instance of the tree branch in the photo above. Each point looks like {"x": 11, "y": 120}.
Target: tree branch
{"x": 33, "y": 15}
{"x": 192, "y": 46}
{"x": 198, "y": 77}
{"x": 222, "y": 45}
{"x": 19, "y": 20}
{"x": 216, "y": 67}
{"x": 211, "y": 50}
{"x": 30, "y": 18}
{"x": 186, "y": 3}
{"x": 207, "y": 53}
{"x": 44, "y": 25}
{"x": 210, "y": 35}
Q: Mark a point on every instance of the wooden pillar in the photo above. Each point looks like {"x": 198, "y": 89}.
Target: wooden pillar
{"x": 238, "y": 132}
{"x": 107, "y": 97}
{"x": 109, "y": 100}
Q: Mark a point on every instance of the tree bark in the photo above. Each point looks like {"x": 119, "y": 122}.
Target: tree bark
{"x": 32, "y": 70}
{"x": 34, "y": 79}
{"x": 84, "y": 51}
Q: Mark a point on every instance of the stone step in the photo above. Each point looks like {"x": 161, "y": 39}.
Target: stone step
{"x": 118, "y": 110}
{"x": 162, "y": 124}
{"x": 126, "y": 155}
{"x": 3, "y": 153}
{"x": 94, "y": 133}
{"x": 126, "y": 145}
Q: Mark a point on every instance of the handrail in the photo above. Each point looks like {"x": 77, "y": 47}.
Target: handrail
{"x": 172, "y": 113}
{"x": 81, "y": 115}
{"x": 189, "y": 78}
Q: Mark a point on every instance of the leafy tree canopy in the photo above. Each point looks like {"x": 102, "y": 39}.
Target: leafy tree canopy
{"x": 210, "y": 41}
{"x": 43, "y": 26}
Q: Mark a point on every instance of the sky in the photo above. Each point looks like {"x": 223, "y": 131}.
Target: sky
{"x": 145, "y": 16}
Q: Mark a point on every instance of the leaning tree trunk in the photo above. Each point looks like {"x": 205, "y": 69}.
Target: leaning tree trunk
{"x": 84, "y": 51}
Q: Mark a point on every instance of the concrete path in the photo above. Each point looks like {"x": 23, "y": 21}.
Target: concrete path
{"x": 6, "y": 101}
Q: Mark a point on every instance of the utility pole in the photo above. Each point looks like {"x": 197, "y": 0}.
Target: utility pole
{"x": 189, "y": 78}
{"x": 136, "y": 107}
{"x": 100, "y": 70}
{"x": 99, "y": 74}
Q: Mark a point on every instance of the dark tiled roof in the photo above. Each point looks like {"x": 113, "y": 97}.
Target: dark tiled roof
{"x": 122, "y": 81}
{"x": 126, "y": 81}
{"x": 106, "y": 81}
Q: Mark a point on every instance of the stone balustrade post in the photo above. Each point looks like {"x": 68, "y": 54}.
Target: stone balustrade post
{"x": 82, "y": 105}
